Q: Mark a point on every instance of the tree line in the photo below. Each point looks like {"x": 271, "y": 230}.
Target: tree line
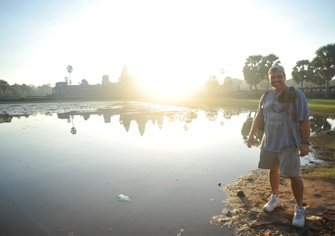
{"x": 19, "y": 91}
{"x": 319, "y": 71}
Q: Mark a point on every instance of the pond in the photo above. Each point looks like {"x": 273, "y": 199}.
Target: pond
{"x": 64, "y": 165}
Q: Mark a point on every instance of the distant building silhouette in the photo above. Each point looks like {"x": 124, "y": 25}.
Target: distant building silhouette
{"x": 126, "y": 87}
{"x": 105, "y": 80}
{"x": 107, "y": 89}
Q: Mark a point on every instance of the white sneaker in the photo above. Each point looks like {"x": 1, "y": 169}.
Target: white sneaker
{"x": 272, "y": 203}
{"x": 299, "y": 216}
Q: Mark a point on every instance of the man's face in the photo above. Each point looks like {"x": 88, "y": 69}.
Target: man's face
{"x": 277, "y": 81}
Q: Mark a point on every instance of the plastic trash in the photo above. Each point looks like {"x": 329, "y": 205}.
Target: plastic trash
{"x": 124, "y": 198}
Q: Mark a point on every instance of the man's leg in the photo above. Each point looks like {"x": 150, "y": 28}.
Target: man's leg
{"x": 297, "y": 187}
{"x": 274, "y": 179}
{"x": 274, "y": 201}
{"x": 299, "y": 211}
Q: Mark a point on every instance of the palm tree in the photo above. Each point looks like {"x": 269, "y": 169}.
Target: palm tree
{"x": 252, "y": 70}
{"x": 69, "y": 69}
{"x": 325, "y": 63}
{"x": 302, "y": 72}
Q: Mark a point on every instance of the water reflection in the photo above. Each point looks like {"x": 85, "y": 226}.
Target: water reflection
{"x": 246, "y": 129}
{"x": 317, "y": 123}
{"x": 141, "y": 115}
{"x": 73, "y": 129}
{"x": 320, "y": 123}
{"x": 170, "y": 171}
{"x": 6, "y": 118}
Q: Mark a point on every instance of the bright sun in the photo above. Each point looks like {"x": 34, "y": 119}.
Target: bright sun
{"x": 168, "y": 88}
{"x": 165, "y": 80}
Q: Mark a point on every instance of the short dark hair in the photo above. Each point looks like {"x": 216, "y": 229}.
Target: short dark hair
{"x": 276, "y": 67}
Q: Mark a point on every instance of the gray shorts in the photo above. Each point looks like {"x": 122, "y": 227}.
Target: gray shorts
{"x": 287, "y": 161}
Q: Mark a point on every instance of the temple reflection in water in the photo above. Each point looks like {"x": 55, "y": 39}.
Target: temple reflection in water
{"x": 141, "y": 114}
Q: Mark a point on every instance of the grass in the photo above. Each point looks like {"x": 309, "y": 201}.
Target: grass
{"x": 322, "y": 106}
{"x": 325, "y": 173}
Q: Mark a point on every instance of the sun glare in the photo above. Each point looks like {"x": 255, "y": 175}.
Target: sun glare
{"x": 168, "y": 89}
{"x": 165, "y": 79}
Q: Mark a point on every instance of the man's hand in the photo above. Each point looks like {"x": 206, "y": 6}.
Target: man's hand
{"x": 303, "y": 149}
{"x": 253, "y": 130}
{"x": 305, "y": 134}
{"x": 250, "y": 141}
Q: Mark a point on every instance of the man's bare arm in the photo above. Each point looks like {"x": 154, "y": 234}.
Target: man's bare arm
{"x": 305, "y": 135}
{"x": 253, "y": 130}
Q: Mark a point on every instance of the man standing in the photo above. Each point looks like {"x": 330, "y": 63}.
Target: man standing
{"x": 286, "y": 137}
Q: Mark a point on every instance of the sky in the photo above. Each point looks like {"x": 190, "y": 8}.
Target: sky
{"x": 166, "y": 42}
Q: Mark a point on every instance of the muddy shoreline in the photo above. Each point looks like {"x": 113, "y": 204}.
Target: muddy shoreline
{"x": 244, "y": 214}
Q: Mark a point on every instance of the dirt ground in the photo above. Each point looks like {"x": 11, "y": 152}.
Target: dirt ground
{"x": 244, "y": 214}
